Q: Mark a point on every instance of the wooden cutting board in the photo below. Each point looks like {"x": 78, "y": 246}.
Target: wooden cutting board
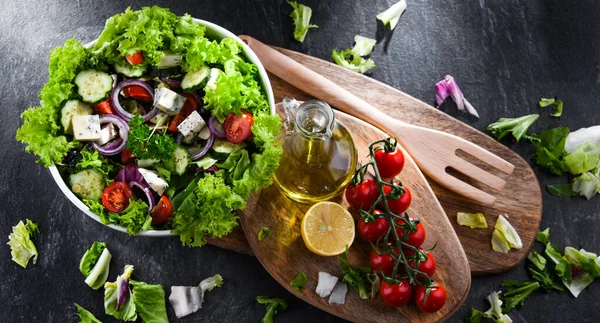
{"x": 284, "y": 254}
{"x": 521, "y": 198}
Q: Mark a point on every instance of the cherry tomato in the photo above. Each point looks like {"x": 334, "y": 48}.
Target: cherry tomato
{"x": 400, "y": 205}
{"x": 427, "y": 266}
{"x": 363, "y": 195}
{"x": 136, "y": 58}
{"x": 372, "y": 231}
{"x": 103, "y": 107}
{"x": 137, "y": 92}
{"x": 382, "y": 263}
{"x": 238, "y": 128}
{"x": 435, "y": 300}
{"x": 191, "y": 104}
{"x": 396, "y": 295}
{"x": 389, "y": 164}
{"x": 126, "y": 156}
{"x": 116, "y": 196}
{"x": 415, "y": 238}
{"x": 162, "y": 211}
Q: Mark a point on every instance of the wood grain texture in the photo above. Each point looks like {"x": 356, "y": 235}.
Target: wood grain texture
{"x": 520, "y": 199}
{"x": 284, "y": 254}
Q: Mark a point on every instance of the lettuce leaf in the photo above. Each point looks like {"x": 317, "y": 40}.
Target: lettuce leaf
{"x": 301, "y": 18}
{"x": 363, "y": 46}
{"x": 391, "y": 16}
{"x": 584, "y": 158}
{"x": 94, "y": 160}
{"x": 90, "y": 257}
{"x": 127, "y": 310}
{"x": 558, "y": 105}
{"x": 350, "y": 60}
{"x": 471, "y": 220}
{"x": 515, "y": 126}
{"x": 149, "y": 301}
{"x": 550, "y": 149}
{"x": 588, "y": 184}
{"x": 134, "y": 218}
{"x": 85, "y": 316}
{"x": 21, "y": 247}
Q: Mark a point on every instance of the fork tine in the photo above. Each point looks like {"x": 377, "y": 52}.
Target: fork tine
{"x": 454, "y": 184}
{"x": 479, "y": 174}
{"x": 486, "y": 156}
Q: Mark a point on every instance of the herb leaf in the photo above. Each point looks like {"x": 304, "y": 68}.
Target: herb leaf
{"x": 357, "y": 277}
{"x": 561, "y": 190}
{"x": 544, "y": 102}
{"x": 550, "y": 148}
{"x": 143, "y": 146}
{"x": 299, "y": 282}
{"x": 517, "y": 293}
{"x": 515, "y": 126}
{"x": 274, "y": 305}
{"x": 263, "y": 233}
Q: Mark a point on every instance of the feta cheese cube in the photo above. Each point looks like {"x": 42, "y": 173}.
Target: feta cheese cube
{"x": 108, "y": 133}
{"x": 204, "y": 133}
{"x": 158, "y": 184}
{"x": 188, "y": 139}
{"x": 168, "y": 101}
{"x": 192, "y": 124}
{"x": 86, "y": 128}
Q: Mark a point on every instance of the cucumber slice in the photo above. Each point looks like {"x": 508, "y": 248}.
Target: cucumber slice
{"x": 212, "y": 81}
{"x": 165, "y": 71}
{"x": 181, "y": 159}
{"x": 130, "y": 70}
{"x": 196, "y": 80}
{"x": 73, "y": 108}
{"x": 87, "y": 184}
{"x": 93, "y": 86}
{"x": 169, "y": 59}
{"x": 227, "y": 147}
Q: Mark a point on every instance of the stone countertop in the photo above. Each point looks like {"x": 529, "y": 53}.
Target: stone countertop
{"x": 504, "y": 54}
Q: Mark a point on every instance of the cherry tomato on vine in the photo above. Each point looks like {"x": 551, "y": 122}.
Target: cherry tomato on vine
{"x": 401, "y": 204}
{"x": 415, "y": 238}
{"x": 382, "y": 263}
{"x": 116, "y": 196}
{"x": 372, "y": 231}
{"x": 396, "y": 295}
{"x": 389, "y": 163}
{"x": 435, "y": 301}
{"x": 427, "y": 266}
{"x": 363, "y": 195}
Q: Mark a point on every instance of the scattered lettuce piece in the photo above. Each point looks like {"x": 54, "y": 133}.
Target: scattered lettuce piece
{"x": 505, "y": 236}
{"x": 550, "y": 149}
{"x": 263, "y": 233}
{"x": 85, "y": 316}
{"x": 585, "y": 260}
{"x": 301, "y": 18}
{"x": 517, "y": 293}
{"x": 588, "y": 184}
{"x": 149, "y": 301}
{"x": 474, "y": 316}
{"x": 561, "y": 190}
{"x": 134, "y": 218}
{"x": 274, "y": 305}
{"x": 515, "y": 126}
{"x": 95, "y": 264}
{"x": 584, "y": 158}
{"x": 363, "y": 46}
{"x": 21, "y": 247}
{"x": 471, "y": 220}
{"x": 350, "y": 60}
{"x": 357, "y": 277}
{"x": 544, "y": 102}
{"x": 127, "y": 310}
{"x": 391, "y": 16}
{"x": 582, "y": 136}
{"x": 493, "y": 313}
{"x": 543, "y": 236}
{"x": 537, "y": 260}
{"x": 299, "y": 282}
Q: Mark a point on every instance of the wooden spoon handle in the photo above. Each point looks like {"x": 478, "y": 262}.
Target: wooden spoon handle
{"x": 318, "y": 86}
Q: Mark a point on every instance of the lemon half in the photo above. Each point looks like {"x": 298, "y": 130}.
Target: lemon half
{"x": 327, "y": 228}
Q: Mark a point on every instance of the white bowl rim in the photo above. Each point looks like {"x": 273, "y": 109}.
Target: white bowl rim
{"x": 165, "y": 233}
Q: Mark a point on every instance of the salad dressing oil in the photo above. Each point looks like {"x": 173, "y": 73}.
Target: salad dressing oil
{"x": 319, "y": 155}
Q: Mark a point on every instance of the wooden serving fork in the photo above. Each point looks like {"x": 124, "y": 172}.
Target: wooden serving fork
{"x": 434, "y": 151}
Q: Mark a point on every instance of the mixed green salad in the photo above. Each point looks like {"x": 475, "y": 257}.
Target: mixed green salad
{"x": 156, "y": 126}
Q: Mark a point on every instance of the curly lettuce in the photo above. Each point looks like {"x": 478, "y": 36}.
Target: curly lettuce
{"x": 134, "y": 218}
{"x": 21, "y": 247}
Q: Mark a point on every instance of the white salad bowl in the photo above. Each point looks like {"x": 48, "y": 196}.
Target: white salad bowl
{"x": 213, "y": 32}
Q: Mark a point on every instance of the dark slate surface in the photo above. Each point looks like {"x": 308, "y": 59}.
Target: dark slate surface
{"x": 504, "y": 54}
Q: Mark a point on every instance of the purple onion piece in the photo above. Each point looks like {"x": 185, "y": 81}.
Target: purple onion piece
{"x": 216, "y": 128}
{"x": 211, "y": 169}
{"x": 122, "y": 291}
{"x": 147, "y": 191}
{"x": 455, "y": 92}
{"x": 178, "y": 138}
{"x": 171, "y": 82}
{"x": 441, "y": 92}
{"x": 117, "y": 146}
{"x": 206, "y": 148}
{"x": 119, "y": 108}
{"x": 129, "y": 173}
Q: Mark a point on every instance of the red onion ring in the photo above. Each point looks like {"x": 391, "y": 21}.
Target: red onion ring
{"x": 119, "y": 145}
{"x": 117, "y": 105}
{"x": 147, "y": 191}
{"x": 211, "y": 169}
{"x": 206, "y": 148}
{"x": 216, "y": 128}
{"x": 171, "y": 82}
{"x": 122, "y": 289}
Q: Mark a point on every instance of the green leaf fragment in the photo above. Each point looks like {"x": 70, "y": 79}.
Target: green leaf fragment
{"x": 515, "y": 126}
{"x": 391, "y": 16}
{"x": 301, "y": 18}
{"x": 543, "y": 236}
{"x": 21, "y": 247}
{"x": 537, "y": 260}
{"x": 363, "y": 46}
{"x": 299, "y": 282}
{"x": 544, "y": 102}
{"x": 350, "y": 60}
{"x": 86, "y": 316}
{"x": 561, "y": 190}
{"x": 517, "y": 293}
{"x": 274, "y": 305}
{"x": 472, "y": 220}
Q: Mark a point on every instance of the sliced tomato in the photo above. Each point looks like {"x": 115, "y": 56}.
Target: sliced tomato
{"x": 103, "y": 107}
{"x": 162, "y": 211}
{"x": 238, "y": 127}
{"x": 127, "y": 157}
{"x": 116, "y": 196}
{"x": 137, "y": 92}
{"x": 135, "y": 59}
{"x": 190, "y": 105}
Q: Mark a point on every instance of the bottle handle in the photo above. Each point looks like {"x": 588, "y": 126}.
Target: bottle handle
{"x": 290, "y": 107}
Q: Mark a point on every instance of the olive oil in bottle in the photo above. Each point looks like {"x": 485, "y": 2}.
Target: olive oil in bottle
{"x": 319, "y": 155}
